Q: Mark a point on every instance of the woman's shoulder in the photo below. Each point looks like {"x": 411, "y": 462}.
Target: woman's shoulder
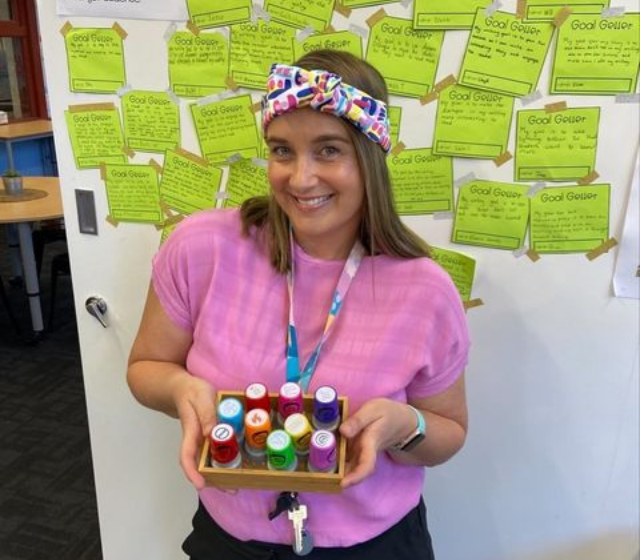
{"x": 207, "y": 228}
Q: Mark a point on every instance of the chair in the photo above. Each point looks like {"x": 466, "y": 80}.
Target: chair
{"x": 60, "y": 266}
{"x": 7, "y": 304}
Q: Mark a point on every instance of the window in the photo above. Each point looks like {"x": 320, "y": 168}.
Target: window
{"x": 21, "y": 82}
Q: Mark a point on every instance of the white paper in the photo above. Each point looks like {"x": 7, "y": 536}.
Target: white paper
{"x": 626, "y": 282}
{"x": 124, "y": 9}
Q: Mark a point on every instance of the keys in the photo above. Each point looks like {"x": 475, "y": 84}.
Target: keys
{"x": 303, "y": 543}
{"x": 285, "y": 502}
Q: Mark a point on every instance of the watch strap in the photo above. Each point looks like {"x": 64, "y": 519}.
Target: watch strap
{"x": 415, "y": 436}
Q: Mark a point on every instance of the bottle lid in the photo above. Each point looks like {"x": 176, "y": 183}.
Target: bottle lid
{"x": 325, "y": 406}
{"x": 257, "y": 425}
{"x": 289, "y": 400}
{"x": 280, "y": 453}
{"x": 223, "y": 446}
{"x": 256, "y": 395}
{"x": 298, "y": 427}
{"x": 231, "y": 411}
{"x": 322, "y": 451}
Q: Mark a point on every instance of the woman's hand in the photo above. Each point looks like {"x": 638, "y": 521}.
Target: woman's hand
{"x": 195, "y": 406}
{"x": 378, "y": 424}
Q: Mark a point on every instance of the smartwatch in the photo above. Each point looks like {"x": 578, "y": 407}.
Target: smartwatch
{"x": 415, "y": 437}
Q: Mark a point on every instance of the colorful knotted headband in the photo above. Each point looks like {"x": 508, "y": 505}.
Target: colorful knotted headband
{"x": 290, "y": 88}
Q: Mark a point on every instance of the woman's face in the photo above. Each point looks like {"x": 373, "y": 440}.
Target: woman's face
{"x": 316, "y": 180}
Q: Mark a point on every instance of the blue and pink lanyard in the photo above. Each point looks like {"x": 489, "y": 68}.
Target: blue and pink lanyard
{"x": 351, "y": 266}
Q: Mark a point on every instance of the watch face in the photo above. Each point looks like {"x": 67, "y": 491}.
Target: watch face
{"x": 413, "y": 442}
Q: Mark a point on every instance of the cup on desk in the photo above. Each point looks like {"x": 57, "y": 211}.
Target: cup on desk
{"x": 12, "y": 183}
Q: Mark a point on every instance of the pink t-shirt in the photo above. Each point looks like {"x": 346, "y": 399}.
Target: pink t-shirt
{"x": 401, "y": 334}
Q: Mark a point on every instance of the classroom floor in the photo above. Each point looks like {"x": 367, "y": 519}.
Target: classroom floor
{"x": 47, "y": 494}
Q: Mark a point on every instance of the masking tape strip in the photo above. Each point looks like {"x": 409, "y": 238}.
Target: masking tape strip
{"x": 234, "y": 158}
{"x": 193, "y": 28}
{"x": 590, "y": 178}
{"x": 503, "y": 158}
{"x": 359, "y": 30}
{"x": 445, "y": 83}
{"x": 405, "y": 3}
{"x": 174, "y": 98}
{"x": 256, "y": 107}
{"x": 171, "y": 220}
{"x": 169, "y": 31}
{"x": 260, "y": 13}
{"x": 562, "y": 15}
{"x": 521, "y": 9}
{"x": 329, "y": 29}
{"x": 193, "y": 157}
{"x": 555, "y": 107}
{"x": 429, "y": 97}
{"x": 166, "y": 209}
{"x": 492, "y": 8}
{"x": 128, "y": 152}
{"x": 224, "y": 31}
{"x": 120, "y": 30}
{"x": 156, "y": 166}
{"x": 305, "y": 33}
{"x": 443, "y": 215}
{"x": 375, "y": 18}
{"x": 536, "y": 188}
{"x": 126, "y": 88}
{"x": 617, "y": 11}
{"x": 628, "y": 98}
{"x": 231, "y": 83}
{"x": 342, "y": 9}
{"x": 602, "y": 249}
{"x": 66, "y": 28}
{"x": 92, "y": 107}
{"x": 464, "y": 180}
{"x": 103, "y": 171}
{"x": 520, "y": 252}
{"x": 260, "y": 162}
{"x": 476, "y": 302}
{"x": 221, "y": 195}
{"x": 111, "y": 220}
{"x": 533, "y": 256}
{"x": 531, "y": 98}
{"x": 398, "y": 148}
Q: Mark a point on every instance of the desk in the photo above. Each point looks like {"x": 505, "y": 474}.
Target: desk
{"x": 22, "y": 131}
{"x": 23, "y": 213}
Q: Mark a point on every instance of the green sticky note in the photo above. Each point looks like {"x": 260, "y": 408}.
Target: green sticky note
{"x": 246, "y": 180}
{"x": 570, "y": 219}
{"x": 597, "y": 56}
{"x": 213, "y": 13}
{"x": 461, "y": 268}
{"x": 189, "y": 183}
{"x": 407, "y": 58}
{"x": 151, "y": 121}
{"x": 132, "y": 193}
{"x": 225, "y": 128}
{"x": 96, "y": 137}
{"x": 395, "y": 116}
{"x": 504, "y": 54}
{"x": 436, "y": 14}
{"x": 422, "y": 182}
{"x": 472, "y": 123}
{"x": 198, "y": 64}
{"x": 491, "y": 214}
{"x": 556, "y": 146}
{"x": 310, "y": 13}
{"x": 340, "y": 41}
{"x": 95, "y": 58}
{"x": 167, "y": 230}
{"x": 254, "y": 47}
{"x": 546, "y": 10}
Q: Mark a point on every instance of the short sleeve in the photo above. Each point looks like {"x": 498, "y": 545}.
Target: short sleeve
{"x": 170, "y": 279}
{"x": 447, "y": 350}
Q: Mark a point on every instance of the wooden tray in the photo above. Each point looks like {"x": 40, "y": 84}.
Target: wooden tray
{"x": 259, "y": 477}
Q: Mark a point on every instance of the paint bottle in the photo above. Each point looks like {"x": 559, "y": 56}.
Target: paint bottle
{"x": 223, "y": 447}
{"x": 231, "y": 411}
{"x": 280, "y": 453}
{"x": 323, "y": 452}
{"x": 289, "y": 401}
{"x": 299, "y": 428}
{"x": 256, "y": 395}
{"x": 326, "y": 411}
{"x": 257, "y": 425}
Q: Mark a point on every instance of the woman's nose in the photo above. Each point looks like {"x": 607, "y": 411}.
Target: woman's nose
{"x": 303, "y": 173}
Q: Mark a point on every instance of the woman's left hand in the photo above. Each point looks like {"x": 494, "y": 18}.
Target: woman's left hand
{"x": 378, "y": 424}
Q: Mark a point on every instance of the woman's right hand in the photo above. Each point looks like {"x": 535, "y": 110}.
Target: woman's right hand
{"x": 194, "y": 401}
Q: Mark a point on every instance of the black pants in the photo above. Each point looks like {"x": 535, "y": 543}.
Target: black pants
{"x": 408, "y": 539}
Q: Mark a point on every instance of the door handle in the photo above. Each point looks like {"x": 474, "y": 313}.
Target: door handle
{"x": 97, "y": 307}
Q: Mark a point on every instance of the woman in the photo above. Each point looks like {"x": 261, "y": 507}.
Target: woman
{"x": 328, "y": 246}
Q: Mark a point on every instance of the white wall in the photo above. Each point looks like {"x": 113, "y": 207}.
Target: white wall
{"x": 550, "y": 470}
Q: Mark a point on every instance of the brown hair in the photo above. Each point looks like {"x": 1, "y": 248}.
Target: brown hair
{"x": 381, "y": 231}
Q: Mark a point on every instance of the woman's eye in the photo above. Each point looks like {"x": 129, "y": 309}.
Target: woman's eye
{"x": 279, "y": 151}
{"x": 329, "y": 151}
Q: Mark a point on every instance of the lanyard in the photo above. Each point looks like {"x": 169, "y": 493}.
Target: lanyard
{"x": 351, "y": 266}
